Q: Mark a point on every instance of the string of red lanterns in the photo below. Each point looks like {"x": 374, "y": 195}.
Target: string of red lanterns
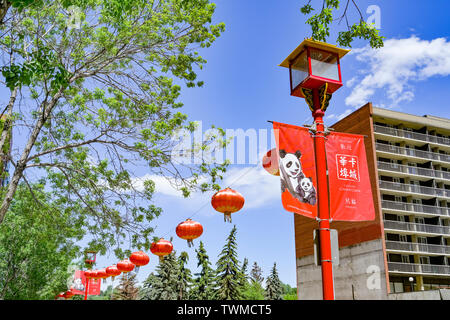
{"x": 226, "y": 201}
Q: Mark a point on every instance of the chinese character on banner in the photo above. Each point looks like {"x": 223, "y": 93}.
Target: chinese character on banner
{"x": 295, "y": 148}
{"x": 348, "y": 176}
{"x": 347, "y": 167}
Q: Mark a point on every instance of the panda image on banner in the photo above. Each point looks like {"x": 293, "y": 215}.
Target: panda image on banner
{"x": 291, "y": 173}
{"x": 308, "y": 192}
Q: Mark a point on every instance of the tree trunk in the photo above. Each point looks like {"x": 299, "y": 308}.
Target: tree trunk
{"x": 21, "y": 164}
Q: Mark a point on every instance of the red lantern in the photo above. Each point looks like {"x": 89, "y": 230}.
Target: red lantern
{"x": 60, "y": 295}
{"x": 140, "y": 259}
{"x": 125, "y": 266}
{"x": 94, "y": 275}
{"x": 101, "y": 274}
{"x": 88, "y": 274}
{"x": 112, "y": 271}
{"x": 161, "y": 248}
{"x": 270, "y": 162}
{"x": 227, "y": 201}
{"x": 189, "y": 230}
{"x": 68, "y": 294}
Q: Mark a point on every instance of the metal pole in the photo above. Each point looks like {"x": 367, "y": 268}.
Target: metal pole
{"x": 87, "y": 288}
{"x": 323, "y": 208}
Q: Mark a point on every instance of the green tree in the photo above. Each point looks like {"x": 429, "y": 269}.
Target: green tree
{"x": 203, "y": 287}
{"x": 256, "y": 274}
{"x": 184, "y": 277}
{"x": 99, "y": 100}
{"x": 164, "y": 285}
{"x": 37, "y": 246}
{"x": 254, "y": 291}
{"x": 274, "y": 289}
{"x": 127, "y": 289}
{"x": 147, "y": 292}
{"x": 322, "y": 21}
{"x": 289, "y": 293}
{"x": 229, "y": 274}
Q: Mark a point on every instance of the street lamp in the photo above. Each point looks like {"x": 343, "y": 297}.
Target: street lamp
{"x": 312, "y": 65}
{"x": 315, "y": 74}
{"x": 89, "y": 259}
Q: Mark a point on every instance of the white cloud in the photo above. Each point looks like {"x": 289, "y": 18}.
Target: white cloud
{"x": 256, "y": 185}
{"x": 162, "y": 185}
{"x": 394, "y": 69}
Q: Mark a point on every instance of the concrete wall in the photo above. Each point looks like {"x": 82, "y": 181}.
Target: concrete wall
{"x": 360, "y": 274}
{"x": 441, "y": 294}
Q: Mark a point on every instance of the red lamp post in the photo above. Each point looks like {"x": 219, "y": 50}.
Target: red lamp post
{"x": 315, "y": 73}
{"x": 89, "y": 260}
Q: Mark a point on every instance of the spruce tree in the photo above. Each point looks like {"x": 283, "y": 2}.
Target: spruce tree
{"x": 127, "y": 289}
{"x": 256, "y": 274}
{"x": 163, "y": 285}
{"x": 184, "y": 277}
{"x": 229, "y": 274}
{"x": 203, "y": 285}
{"x": 274, "y": 289}
{"x": 243, "y": 281}
{"x": 148, "y": 291}
{"x": 255, "y": 290}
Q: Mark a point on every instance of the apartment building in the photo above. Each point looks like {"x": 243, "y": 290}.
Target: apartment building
{"x": 407, "y": 247}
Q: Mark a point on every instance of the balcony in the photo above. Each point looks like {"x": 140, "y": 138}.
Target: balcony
{"x": 428, "y": 138}
{"x": 418, "y": 247}
{"x": 417, "y": 171}
{"x": 415, "y": 208}
{"x": 410, "y": 227}
{"x": 418, "y": 268}
{"x": 412, "y": 188}
{"x": 409, "y": 152}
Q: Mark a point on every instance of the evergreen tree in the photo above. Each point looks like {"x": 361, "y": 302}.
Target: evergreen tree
{"x": 184, "y": 277}
{"x": 203, "y": 287}
{"x": 256, "y": 274}
{"x": 229, "y": 274}
{"x": 274, "y": 289}
{"x": 127, "y": 289}
{"x": 148, "y": 291}
{"x": 243, "y": 281}
{"x": 163, "y": 285}
{"x": 254, "y": 291}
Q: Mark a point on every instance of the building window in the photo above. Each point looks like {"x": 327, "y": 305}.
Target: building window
{"x": 398, "y": 287}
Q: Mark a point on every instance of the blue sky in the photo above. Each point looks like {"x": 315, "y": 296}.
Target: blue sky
{"x": 245, "y": 87}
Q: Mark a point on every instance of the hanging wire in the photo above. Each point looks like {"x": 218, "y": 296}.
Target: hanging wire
{"x": 256, "y": 166}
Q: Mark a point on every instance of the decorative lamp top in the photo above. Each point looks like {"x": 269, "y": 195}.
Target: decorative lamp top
{"x": 313, "y": 44}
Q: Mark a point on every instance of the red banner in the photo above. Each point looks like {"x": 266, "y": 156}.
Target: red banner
{"x": 348, "y": 178}
{"x": 295, "y": 148}
{"x": 78, "y": 285}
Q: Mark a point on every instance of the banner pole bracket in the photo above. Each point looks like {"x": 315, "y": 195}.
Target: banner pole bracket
{"x": 313, "y": 128}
